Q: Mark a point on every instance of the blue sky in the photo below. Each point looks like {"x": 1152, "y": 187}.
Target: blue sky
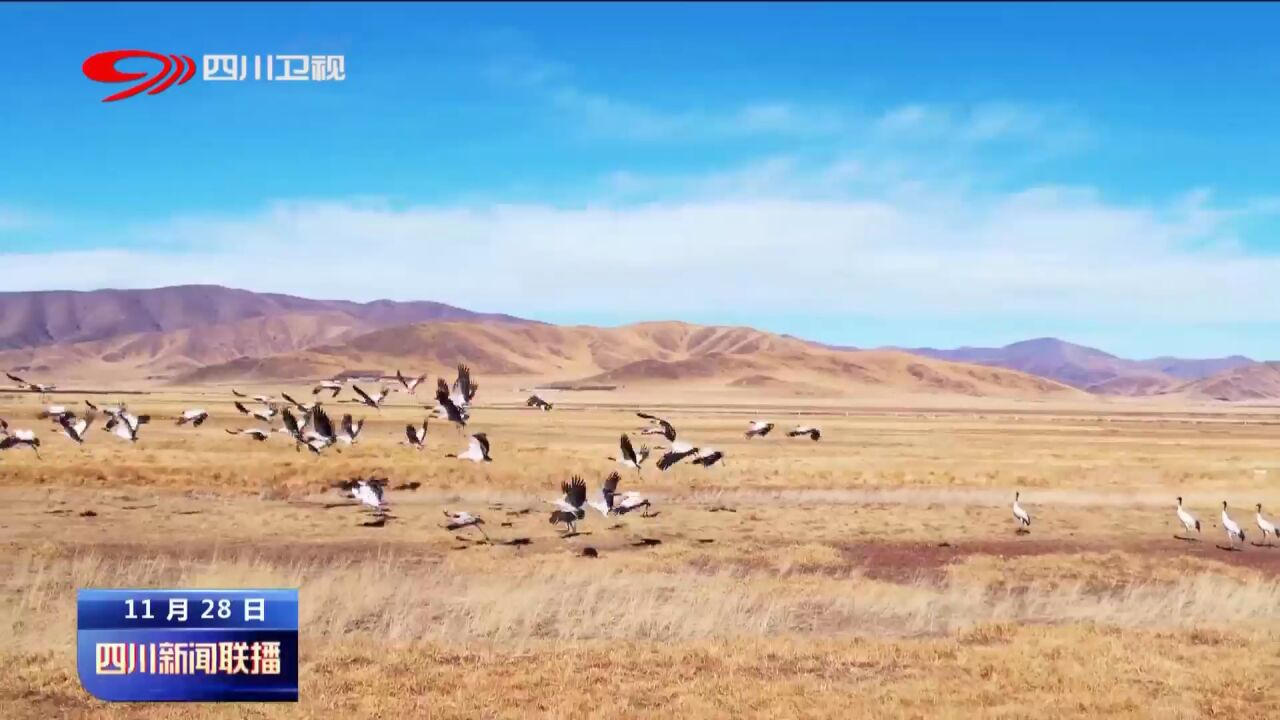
{"x": 857, "y": 174}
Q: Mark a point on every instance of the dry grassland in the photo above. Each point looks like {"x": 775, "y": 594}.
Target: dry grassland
{"x": 874, "y": 573}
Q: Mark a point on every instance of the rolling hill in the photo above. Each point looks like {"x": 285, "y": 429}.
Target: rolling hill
{"x": 638, "y": 355}
{"x": 40, "y": 319}
{"x": 1258, "y": 381}
{"x": 1089, "y": 368}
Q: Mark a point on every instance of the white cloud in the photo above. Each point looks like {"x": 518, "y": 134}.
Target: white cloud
{"x": 1044, "y": 252}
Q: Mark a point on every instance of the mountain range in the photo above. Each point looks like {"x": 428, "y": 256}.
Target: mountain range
{"x": 212, "y": 334}
{"x": 1091, "y": 369}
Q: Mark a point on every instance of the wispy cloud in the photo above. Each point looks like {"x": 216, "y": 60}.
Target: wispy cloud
{"x": 1042, "y": 252}
{"x": 609, "y": 115}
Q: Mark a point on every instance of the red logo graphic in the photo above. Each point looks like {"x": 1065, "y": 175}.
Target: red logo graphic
{"x": 102, "y": 68}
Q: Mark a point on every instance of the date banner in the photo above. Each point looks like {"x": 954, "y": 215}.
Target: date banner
{"x": 188, "y": 645}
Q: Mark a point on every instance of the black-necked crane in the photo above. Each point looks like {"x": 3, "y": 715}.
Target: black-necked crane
{"x": 1234, "y": 531}
{"x": 77, "y": 428}
{"x": 464, "y": 391}
{"x": 477, "y": 449}
{"x": 629, "y": 457}
{"x": 622, "y": 503}
{"x": 451, "y": 409}
{"x": 416, "y": 436}
{"x": 304, "y": 407}
{"x": 374, "y": 401}
{"x": 255, "y": 433}
{"x": 814, "y": 433}
{"x": 126, "y": 425}
{"x": 461, "y": 520}
{"x": 410, "y": 384}
{"x": 1022, "y": 517}
{"x": 569, "y": 508}
{"x": 322, "y": 434}
{"x": 758, "y": 428}
{"x": 1266, "y": 526}
{"x": 17, "y": 438}
{"x": 264, "y": 399}
{"x": 106, "y": 409}
{"x": 657, "y": 426}
{"x": 33, "y": 387}
{"x": 368, "y": 492}
{"x": 333, "y": 386}
{"x": 56, "y": 412}
{"x": 265, "y": 414}
{"x": 194, "y": 417}
{"x": 675, "y": 453}
{"x": 536, "y": 402}
{"x": 350, "y": 430}
{"x": 708, "y": 457}
{"x": 1189, "y": 521}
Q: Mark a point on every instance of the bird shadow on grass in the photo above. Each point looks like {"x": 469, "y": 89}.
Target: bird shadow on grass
{"x": 1262, "y": 545}
{"x": 566, "y": 536}
{"x": 1184, "y": 538}
{"x": 1022, "y": 531}
{"x": 646, "y": 542}
{"x": 1228, "y": 548}
{"x": 516, "y": 541}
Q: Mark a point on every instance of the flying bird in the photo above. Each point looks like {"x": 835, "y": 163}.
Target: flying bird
{"x": 333, "y": 386}
{"x": 477, "y": 449}
{"x": 629, "y": 457}
{"x": 1266, "y": 526}
{"x": 106, "y": 409}
{"x": 708, "y": 457}
{"x": 417, "y": 436}
{"x": 674, "y": 454}
{"x": 368, "y": 492}
{"x": 265, "y": 414}
{"x": 1020, "y": 515}
{"x": 568, "y": 509}
{"x": 536, "y": 402}
{"x": 451, "y": 409}
{"x": 462, "y": 519}
{"x": 759, "y": 428}
{"x": 195, "y": 417}
{"x": 255, "y": 433}
{"x": 126, "y": 425}
{"x": 77, "y": 428}
{"x": 464, "y": 391}
{"x": 616, "y": 503}
{"x": 814, "y": 433}
{"x": 304, "y": 407}
{"x": 1234, "y": 532}
{"x": 1189, "y": 521}
{"x": 350, "y": 430}
{"x": 56, "y": 412}
{"x": 375, "y": 401}
{"x": 264, "y": 399}
{"x": 321, "y": 435}
{"x": 15, "y": 438}
{"x": 410, "y": 384}
{"x": 658, "y": 426}
{"x": 34, "y": 387}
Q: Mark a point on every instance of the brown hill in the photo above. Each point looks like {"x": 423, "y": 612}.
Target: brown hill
{"x": 159, "y": 355}
{"x": 1259, "y": 381}
{"x": 39, "y": 319}
{"x": 1089, "y": 368}
{"x": 641, "y": 354}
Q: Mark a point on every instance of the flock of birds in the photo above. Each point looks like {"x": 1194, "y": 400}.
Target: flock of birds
{"x": 311, "y": 427}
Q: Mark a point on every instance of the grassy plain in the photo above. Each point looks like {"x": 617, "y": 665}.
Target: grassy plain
{"x": 874, "y": 573}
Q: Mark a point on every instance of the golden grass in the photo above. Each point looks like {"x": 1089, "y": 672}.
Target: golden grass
{"x": 875, "y": 573}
